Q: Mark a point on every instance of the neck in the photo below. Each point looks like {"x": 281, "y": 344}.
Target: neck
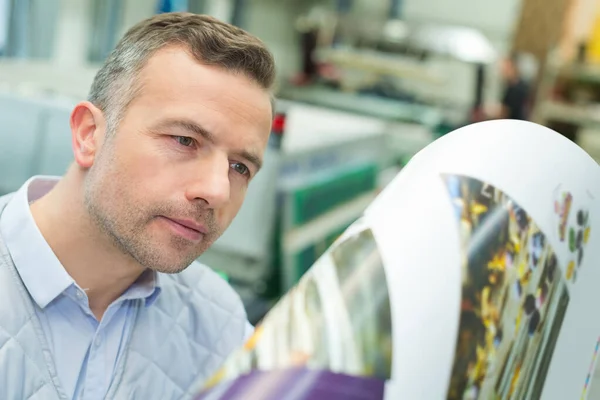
{"x": 86, "y": 253}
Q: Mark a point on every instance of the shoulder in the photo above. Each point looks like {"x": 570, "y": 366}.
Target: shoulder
{"x": 5, "y": 199}
{"x": 205, "y": 307}
{"x": 197, "y": 319}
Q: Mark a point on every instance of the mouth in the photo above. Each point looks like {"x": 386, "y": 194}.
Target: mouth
{"x": 188, "y": 229}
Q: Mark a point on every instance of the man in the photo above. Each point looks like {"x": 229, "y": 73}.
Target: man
{"x": 97, "y": 295}
{"x": 515, "y": 100}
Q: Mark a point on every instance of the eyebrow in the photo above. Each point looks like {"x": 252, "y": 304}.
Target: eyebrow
{"x": 198, "y": 130}
{"x": 187, "y": 125}
{"x": 252, "y": 159}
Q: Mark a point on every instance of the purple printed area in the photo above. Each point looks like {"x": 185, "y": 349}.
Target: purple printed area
{"x": 297, "y": 384}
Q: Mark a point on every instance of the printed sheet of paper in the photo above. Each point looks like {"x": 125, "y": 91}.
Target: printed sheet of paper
{"x": 514, "y": 296}
{"x": 331, "y": 333}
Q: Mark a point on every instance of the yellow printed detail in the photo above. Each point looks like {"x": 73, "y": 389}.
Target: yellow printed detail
{"x": 570, "y": 270}
{"x": 586, "y": 234}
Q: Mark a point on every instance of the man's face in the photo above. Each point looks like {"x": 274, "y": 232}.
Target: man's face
{"x": 173, "y": 176}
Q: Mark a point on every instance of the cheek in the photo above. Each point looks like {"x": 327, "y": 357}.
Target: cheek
{"x": 228, "y": 212}
{"x": 238, "y": 195}
{"x": 141, "y": 161}
{"x": 145, "y": 166}
{"x": 127, "y": 179}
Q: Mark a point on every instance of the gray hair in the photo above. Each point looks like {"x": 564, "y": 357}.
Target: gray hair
{"x": 209, "y": 40}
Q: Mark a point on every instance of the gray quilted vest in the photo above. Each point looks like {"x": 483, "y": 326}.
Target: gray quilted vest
{"x": 196, "y": 321}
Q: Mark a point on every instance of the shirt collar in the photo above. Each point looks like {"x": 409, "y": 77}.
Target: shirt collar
{"x": 42, "y": 273}
{"x": 146, "y": 287}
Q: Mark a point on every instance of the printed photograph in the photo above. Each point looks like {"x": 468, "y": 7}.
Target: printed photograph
{"x": 364, "y": 290}
{"x": 514, "y": 296}
{"x": 336, "y": 319}
{"x": 574, "y": 230}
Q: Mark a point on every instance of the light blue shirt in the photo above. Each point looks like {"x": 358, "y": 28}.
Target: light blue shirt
{"x": 84, "y": 349}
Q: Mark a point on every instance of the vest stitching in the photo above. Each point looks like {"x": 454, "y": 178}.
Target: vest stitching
{"x": 6, "y": 262}
{"x": 150, "y": 361}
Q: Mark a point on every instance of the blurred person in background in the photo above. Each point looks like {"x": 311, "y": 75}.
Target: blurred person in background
{"x": 516, "y": 98}
{"x": 100, "y": 293}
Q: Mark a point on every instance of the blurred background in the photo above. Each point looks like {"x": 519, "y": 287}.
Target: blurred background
{"x": 362, "y": 86}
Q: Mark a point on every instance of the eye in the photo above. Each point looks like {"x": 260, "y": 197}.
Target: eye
{"x": 184, "y": 140}
{"x": 240, "y": 168}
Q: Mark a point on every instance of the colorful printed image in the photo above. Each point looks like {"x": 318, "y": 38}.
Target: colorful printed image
{"x": 588, "y": 378}
{"x": 337, "y": 319}
{"x": 573, "y": 229}
{"x": 562, "y": 207}
{"x": 514, "y": 297}
{"x": 579, "y": 235}
{"x": 365, "y": 293}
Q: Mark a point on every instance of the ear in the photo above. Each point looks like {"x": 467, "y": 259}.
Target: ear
{"x": 87, "y": 130}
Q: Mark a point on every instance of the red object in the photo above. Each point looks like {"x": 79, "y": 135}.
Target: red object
{"x": 278, "y": 124}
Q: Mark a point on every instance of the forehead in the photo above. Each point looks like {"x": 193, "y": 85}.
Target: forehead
{"x": 174, "y": 84}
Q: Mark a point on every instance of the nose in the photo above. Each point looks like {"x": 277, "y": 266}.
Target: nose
{"x": 211, "y": 181}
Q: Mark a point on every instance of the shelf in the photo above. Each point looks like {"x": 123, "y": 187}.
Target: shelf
{"x": 380, "y": 63}
{"x": 584, "y": 72}
{"x": 575, "y": 114}
{"x": 364, "y": 105}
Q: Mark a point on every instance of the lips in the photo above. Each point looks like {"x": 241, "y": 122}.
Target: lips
{"x": 193, "y": 225}
{"x": 187, "y": 229}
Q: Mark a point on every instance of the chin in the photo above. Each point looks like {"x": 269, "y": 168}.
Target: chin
{"x": 169, "y": 269}
{"x": 170, "y": 262}
{"x": 168, "y": 255}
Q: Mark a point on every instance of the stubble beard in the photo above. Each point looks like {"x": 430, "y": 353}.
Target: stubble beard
{"x": 125, "y": 230}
